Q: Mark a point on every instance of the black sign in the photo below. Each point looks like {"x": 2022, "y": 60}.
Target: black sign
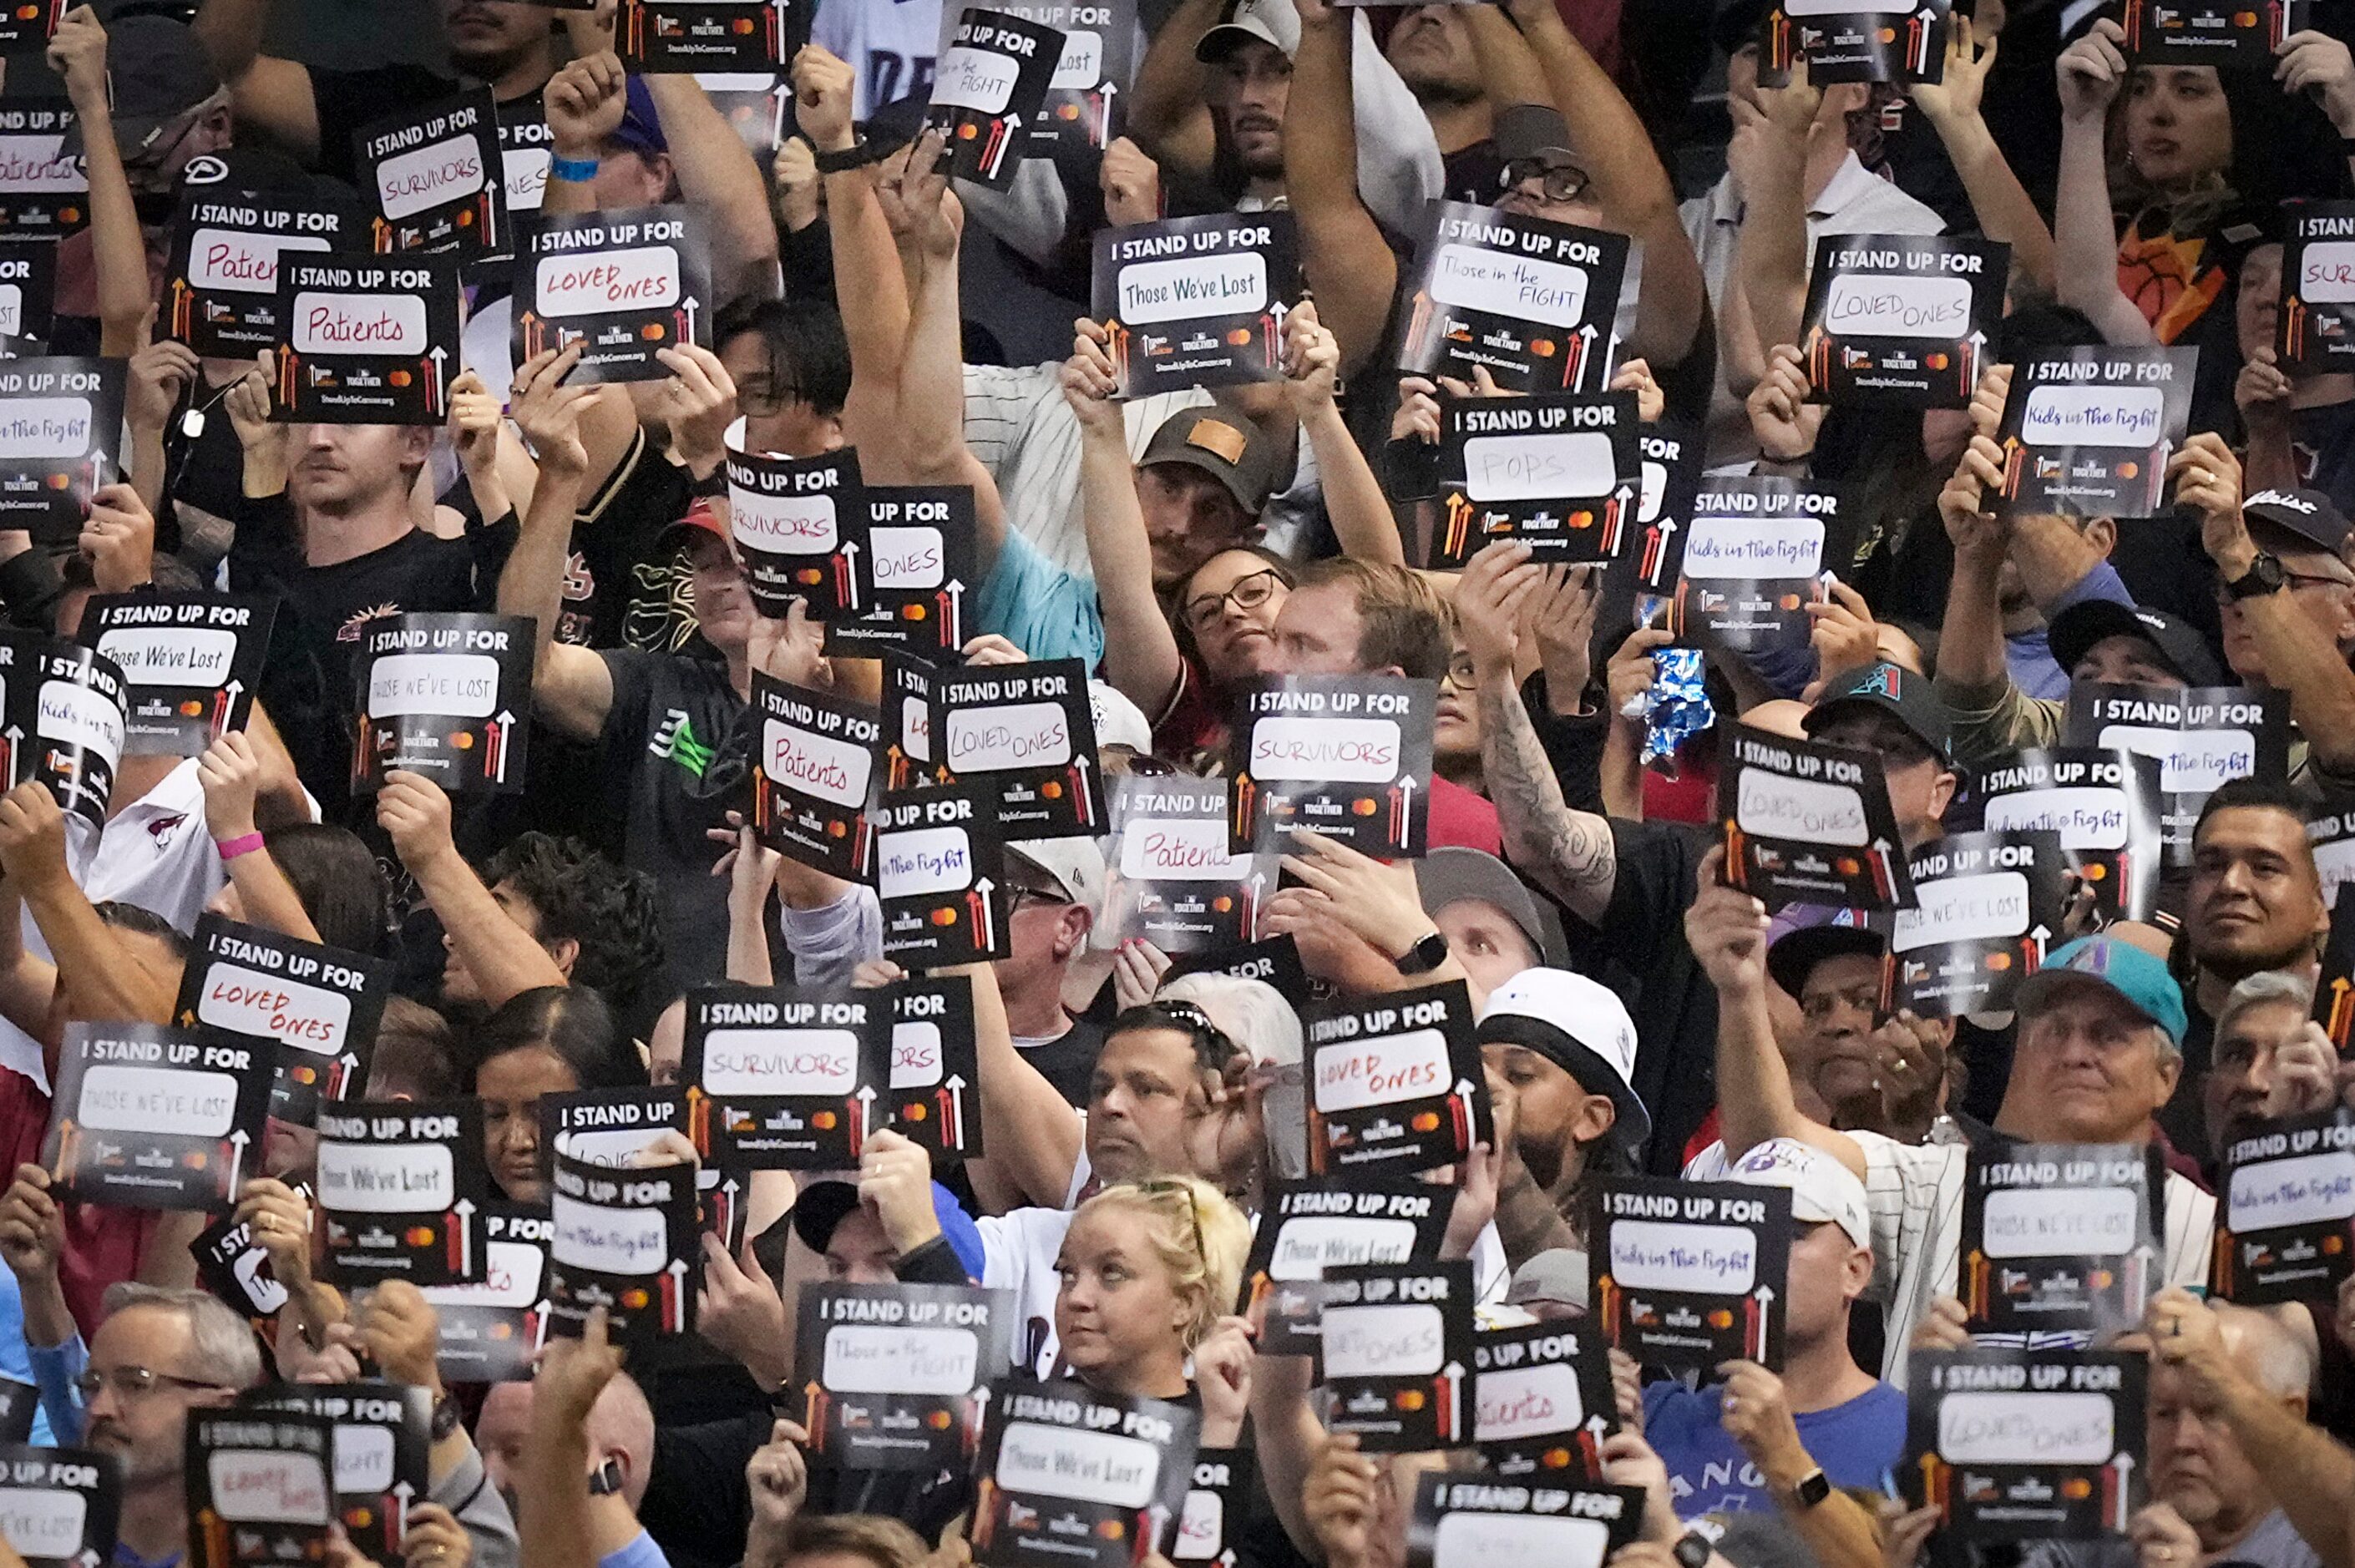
{"x": 796, "y": 523}
{"x": 781, "y": 1078}
{"x": 2026, "y": 1445}
{"x": 1395, "y": 1082}
{"x": 1530, "y": 300}
{"x": 2317, "y": 325}
{"x": 364, "y": 342}
{"x": 233, "y": 1267}
{"x": 401, "y": 1191}
{"x": 1348, "y": 756}
{"x": 988, "y": 88}
{"x": 2287, "y": 1211}
{"x": 1082, "y": 111}
{"x": 1841, "y": 40}
{"x": 43, "y": 190}
{"x": 1756, "y": 553}
{"x": 322, "y": 1004}
{"x": 1196, "y": 301}
{"x": 1174, "y": 882}
{"x": 1210, "y": 1526}
{"x": 2060, "y": 1236}
{"x": 27, "y": 292}
{"x": 1024, "y": 733}
{"x": 1273, "y": 959}
{"x": 622, "y": 284}
{"x": 812, "y": 774}
{"x": 628, "y": 1241}
{"x": 526, "y": 146}
{"x": 1670, "y": 465}
{"x": 608, "y": 1127}
{"x": 60, "y": 435}
{"x": 148, "y": 1117}
{"x": 1901, "y": 321}
{"x": 1986, "y": 905}
{"x": 1479, "y": 1523}
{"x": 1310, "y": 1226}
{"x": 1396, "y": 1352}
{"x": 379, "y": 1446}
{"x": 1689, "y": 1275}
{"x": 491, "y": 1331}
{"x": 913, "y": 574}
{"x": 189, "y": 662}
{"x": 936, "y": 1088}
{"x": 57, "y": 1506}
{"x": 444, "y": 695}
{"x": 2331, "y": 837}
{"x": 1808, "y": 823}
{"x": 676, "y": 37}
{"x": 895, "y": 1376}
{"x": 1073, "y": 1478}
{"x": 440, "y": 184}
{"x": 2237, "y": 35}
{"x": 1542, "y": 1401}
{"x": 29, "y": 25}
{"x": 260, "y": 1488}
{"x": 2203, "y": 736}
{"x": 2103, "y": 804}
{"x": 221, "y": 291}
{"x": 63, "y": 706}
{"x": 2086, "y": 432}
{"x": 938, "y": 867}
{"x": 1558, "y": 471}
{"x": 2334, "y": 986}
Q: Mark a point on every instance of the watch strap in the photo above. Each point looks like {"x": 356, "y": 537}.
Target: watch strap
{"x": 1812, "y": 1488}
{"x": 2264, "y": 576}
{"x": 858, "y": 155}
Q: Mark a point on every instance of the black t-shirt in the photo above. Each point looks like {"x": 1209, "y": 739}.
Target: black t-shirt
{"x": 678, "y": 747}
{"x": 1474, "y": 173}
{"x": 1069, "y": 1061}
{"x": 308, "y": 682}
{"x": 619, "y": 591}
{"x": 344, "y": 101}
{"x": 2323, "y": 438}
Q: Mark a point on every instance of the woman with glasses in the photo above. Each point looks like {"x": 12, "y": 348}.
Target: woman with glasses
{"x": 1147, "y": 1269}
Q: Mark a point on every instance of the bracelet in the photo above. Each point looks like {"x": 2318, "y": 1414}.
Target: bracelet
{"x": 245, "y": 844}
{"x": 578, "y": 171}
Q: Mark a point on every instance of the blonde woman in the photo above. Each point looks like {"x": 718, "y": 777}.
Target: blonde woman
{"x": 1149, "y": 1269}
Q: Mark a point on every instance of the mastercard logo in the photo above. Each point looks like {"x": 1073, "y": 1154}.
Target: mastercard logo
{"x": 653, "y": 332}
{"x": 465, "y": 220}
{"x": 635, "y": 1297}
{"x": 1112, "y": 1529}
{"x": 914, "y": 1110}
{"x": 1888, "y": 35}
{"x": 837, "y": 829}
{"x": 303, "y": 1075}
{"x": 2240, "y": 18}
{"x": 1239, "y": 336}
{"x": 2093, "y": 872}
{"x": 938, "y": 1421}
{"x": 1581, "y": 519}
{"x": 191, "y": 710}
{"x": 361, "y": 1517}
{"x": 1938, "y": 362}
{"x": 1555, "y": 1458}
{"x": 911, "y": 612}
{"x": 1068, "y": 111}
{"x": 197, "y": 1160}
{"x": 1425, "y": 1122}
{"x": 1052, "y": 789}
{"x": 1999, "y": 961}
{"x": 1364, "y": 806}
{"x": 943, "y": 917}
{"x": 418, "y": 1236}
{"x": 742, "y": 27}
{"x": 462, "y": 740}
{"x": 809, "y": 577}
{"x": 1721, "y": 1319}
{"x": 1846, "y": 865}
{"x": 1411, "y": 1399}
{"x": 2334, "y": 1245}
{"x": 398, "y": 377}
{"x": 2128, "y": 469}
{"x": 1221, "y": 904}
{"x": 968, "y": 131}
{"x": 1789, "y": 601}
{"x": 2077, "y": 1489}
{"x": 59, "y": 481}
{"x": 1544, "y": 347}
{"x": 823, "y": 1120}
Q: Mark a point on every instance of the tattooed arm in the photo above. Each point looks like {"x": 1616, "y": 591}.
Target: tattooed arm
{"x": 1569, "y": 853}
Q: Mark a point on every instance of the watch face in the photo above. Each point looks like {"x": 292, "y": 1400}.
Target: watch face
{"x": 1814, "y": 1489}
{"x": 1693, "y": 1552}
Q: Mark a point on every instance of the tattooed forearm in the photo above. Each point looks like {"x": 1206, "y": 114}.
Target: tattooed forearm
{"x": 1567, "y": 852}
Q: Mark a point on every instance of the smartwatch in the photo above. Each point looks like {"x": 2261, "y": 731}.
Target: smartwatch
{"x": 858, "y": 155}
{"x": 445, "y": 1417}
{"x": 1692, "y": 1549}
{"x": 2264, "y": 576}
{"x": 1812, "y": 1488}
{"x": 1428, "y": 953}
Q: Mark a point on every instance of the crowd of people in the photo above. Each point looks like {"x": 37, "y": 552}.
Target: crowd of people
{"x": 1651, "y": 1010}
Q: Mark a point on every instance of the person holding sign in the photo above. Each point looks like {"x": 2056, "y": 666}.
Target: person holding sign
{"x": 2100, "y": 1048}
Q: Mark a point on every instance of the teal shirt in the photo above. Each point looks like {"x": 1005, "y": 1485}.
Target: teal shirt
{"x": 1039, "y": 607}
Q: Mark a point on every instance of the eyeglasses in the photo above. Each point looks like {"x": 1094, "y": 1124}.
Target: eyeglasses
{"x": 1461, "y": 674}
{"x": 1016, "y": 897}
{"x": 1560, "y": 182}
{"x": 135, "y": 1383}
{"x": 1247, "y": 593}
{"x": 1120, "y": 762}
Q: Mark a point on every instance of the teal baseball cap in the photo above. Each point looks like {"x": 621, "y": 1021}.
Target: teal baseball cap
{"x": 2139, "y": 977}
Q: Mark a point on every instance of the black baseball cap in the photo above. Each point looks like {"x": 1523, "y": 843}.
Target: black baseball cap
{"x": 157, "y": 72}
{"x": 2077, "y": 628}
{"x": 1893, "y": 689}
{"x": 1795, "y": 954}
{"x": 2307, "y": 513}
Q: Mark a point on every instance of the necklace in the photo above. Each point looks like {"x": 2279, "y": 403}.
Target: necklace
{"x": 192, "y": 423}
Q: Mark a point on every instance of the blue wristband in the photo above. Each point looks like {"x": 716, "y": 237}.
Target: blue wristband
{"x": 580, "y": 171}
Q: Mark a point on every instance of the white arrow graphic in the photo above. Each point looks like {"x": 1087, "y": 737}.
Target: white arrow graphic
{"x": 237, "y": 1140}
{"x": 955, "y": 1086}
{"x": 850, "y": 559}
{"x": 988, "y": 917}
{"x": 690, "y": 305}
{"x": 866, "y": 1109}
{"x": 464, "y": 1209}
{"x": 503, "y": 724}
{"x": 1454, "y": 1374}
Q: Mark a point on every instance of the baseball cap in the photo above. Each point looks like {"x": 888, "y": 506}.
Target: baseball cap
{"x": 1581, "y": 1026}
{"x": 1454, "y": 873}
{"x": 2138, "y": 977}
{"x": 1557, "y": 1273}
{"x": 1119, "y": 722}
{"x": 1893, "y": 689}
{"x": 1531, "y": 130}
{"x": 1823, "y": 1190}
{"x": 157, "y": 72}
{"x": 822, "y": 1205}
{"x": 2307, "y": 513}
{"x": 1223, "y": 444}
{"x": 697, "y": 521}
{"x": 1270, "y": 21}
{"x": 1074, "y": 866}
{"x": 1796, "y": 952}
{"x": 640, "y": 130}
{"x": 2077, "y": 628}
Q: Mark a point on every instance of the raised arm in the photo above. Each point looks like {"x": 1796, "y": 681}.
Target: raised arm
{"x": 78, "y": 52}
{"x": 2084, "y": 229}
{"x": 1363, "y": 524}
{"x": 1141, "y": 656}
{"x": 272, "y": 95}
{"x": 98, "y": 977}
{"x": 1166, "y": 111}
{"x": 1971, "y": 657}
{"x": 1726, "y": 930}
{"x": 1634, "y": 190}
{"x": 2002, "y": 205}
{"x": 584, "y": 102}
{"x": 570, "y": 687}
{"x": 1343, "y": 256}
{"x": 230, "y": 771}
{"x": 503, "y": 959}
{"x": 874, "y": 314}
{"x": 1034, "y": 1145}
{"x": 1771, "y": 258}
{"x": 719, "y": 179}
{"x": 1569, "y": 853}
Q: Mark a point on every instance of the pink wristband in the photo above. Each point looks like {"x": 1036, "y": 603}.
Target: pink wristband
{"x": 232, "y": 848}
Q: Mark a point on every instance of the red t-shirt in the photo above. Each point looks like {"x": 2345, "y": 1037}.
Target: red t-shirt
{"x": 1460, "y": 818}
{"x": 102, "y": 1245}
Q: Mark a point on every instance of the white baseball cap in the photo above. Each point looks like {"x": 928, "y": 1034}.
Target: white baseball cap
{"x": 1581, "y": 1026}
{"x": 1823, "y": 1190}
{"x": 1076, "y": 865}
{"x": 1119, "y": 722}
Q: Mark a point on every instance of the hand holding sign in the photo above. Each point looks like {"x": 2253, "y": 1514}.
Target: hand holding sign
{"x": 33, "y": 840}
{"x": 2091, "y": 72}
{"x": 279, "y": 1221}
{"x": 572, "y": 1372}
{"x": 1781, "y": 415}
{"x": 1726, "y": 930}
{"x": 1376, "y": 898}
{"x": 1972, "y": 528}
{"x": 32, "y": 1232}
{"x": 77, "y": 52}
{"x": 548, "y": 412}
{"x": 2207, "y": 480}
{"x": 699, "y": 404}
